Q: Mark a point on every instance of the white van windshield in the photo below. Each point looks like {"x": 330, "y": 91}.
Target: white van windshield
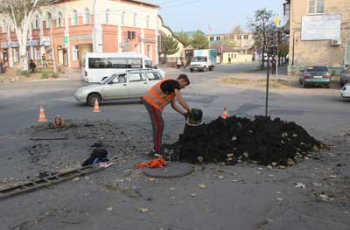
{"x": 199, "y": 59}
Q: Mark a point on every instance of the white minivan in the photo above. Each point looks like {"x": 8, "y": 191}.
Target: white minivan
{"x": 98, "y": 66}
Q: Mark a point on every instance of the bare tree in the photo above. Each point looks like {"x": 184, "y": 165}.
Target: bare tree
{"x": 19, "y": 14}
{"x": 262, "y": 26}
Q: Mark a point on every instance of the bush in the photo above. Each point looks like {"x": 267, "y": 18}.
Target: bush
{"x": 44, "y": 75}
{"x": 55, "y": 75}
{"x": 334, "y": 73}
{"x": 25, "y": 73}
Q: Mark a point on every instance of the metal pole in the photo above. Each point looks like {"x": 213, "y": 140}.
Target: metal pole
{"x": 267, "y": 86}
{"x": 293, "y": 52}
{"x": 276, "y": 58}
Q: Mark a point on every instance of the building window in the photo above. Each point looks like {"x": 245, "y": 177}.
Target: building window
{"x": 107, "y": 16}
{"x": 36, "y": 22}
{"x": 135, "y": 20}
{"x": 75, "y": 17}
{"x": 147, "y": 21}
{"x": 246, "y": 37}
{"x": 48, "y": 20}
{"x": 218, "y": 38}
{"x": 75, "y": 53}
{"x": 123, "y": 18}
{"x": 316, "y": 6}
{"x": 239, "y": 37}
{"x": 4, "y": 26}
{"x": 59, "y": 19}
{"x": 211, "y": 38}
{"x": 87, "y": 16}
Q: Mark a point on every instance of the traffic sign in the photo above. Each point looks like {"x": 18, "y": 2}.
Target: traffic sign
{"x": 277, "y": 20}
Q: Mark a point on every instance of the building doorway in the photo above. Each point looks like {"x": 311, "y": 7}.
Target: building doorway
{"x": 62, "y": 56}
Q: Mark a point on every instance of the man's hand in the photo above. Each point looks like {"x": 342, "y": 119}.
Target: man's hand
{"x": 185, "y": 115}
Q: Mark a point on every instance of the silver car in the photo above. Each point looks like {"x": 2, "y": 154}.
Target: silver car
{"x": 345, "y": 77}
{"x": 132, "y": 84}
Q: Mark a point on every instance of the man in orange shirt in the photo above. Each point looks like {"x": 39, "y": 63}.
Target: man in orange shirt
{"x": 157, "y": 98}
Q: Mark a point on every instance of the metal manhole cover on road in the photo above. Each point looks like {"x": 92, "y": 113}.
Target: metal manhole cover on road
{"x": 172, "y": 170}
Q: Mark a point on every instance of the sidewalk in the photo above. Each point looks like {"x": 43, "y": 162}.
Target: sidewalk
{"x": 71, "y": 76}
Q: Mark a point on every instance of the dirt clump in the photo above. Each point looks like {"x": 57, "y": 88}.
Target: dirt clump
{"x": 262, "y": 140}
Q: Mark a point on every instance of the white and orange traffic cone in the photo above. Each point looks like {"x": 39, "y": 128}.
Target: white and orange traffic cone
{"x": 96, "y": 107}
{"x": 42, "y": 117}
{"x": 225, "y": 115}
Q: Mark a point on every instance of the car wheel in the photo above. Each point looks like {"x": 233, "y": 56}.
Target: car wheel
{"x": 191, "y": 70}
{"x": 92, "y": 97}
{"x": 328, "y": 86}
{"x": 300, "y": 81}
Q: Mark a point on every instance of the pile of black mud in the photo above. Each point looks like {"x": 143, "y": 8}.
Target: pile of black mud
{"x": 262, "y": 140}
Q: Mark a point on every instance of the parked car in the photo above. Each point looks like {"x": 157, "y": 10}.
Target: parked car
{"x": 344, "y": 77}
{"x": 345, "y": 91}
{"x": 315, "y": 75}
{"x": 131, "y": 84}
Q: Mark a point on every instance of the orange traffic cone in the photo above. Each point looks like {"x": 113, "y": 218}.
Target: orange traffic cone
{"x": 96, "y": 107}
{"x": 225, "y": 115}
{"x": 42, "y": 117}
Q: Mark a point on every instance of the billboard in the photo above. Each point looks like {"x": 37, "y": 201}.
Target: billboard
{"x": 321, "y": 27}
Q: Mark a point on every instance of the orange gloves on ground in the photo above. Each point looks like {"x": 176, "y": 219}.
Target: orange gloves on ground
{"x": 156, "y": 163}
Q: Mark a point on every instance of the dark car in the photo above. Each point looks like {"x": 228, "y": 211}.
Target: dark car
{"x": 345, "y": 77}
{"x": 315, "y": 75}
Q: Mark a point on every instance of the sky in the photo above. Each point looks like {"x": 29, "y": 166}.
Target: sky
{"x": 222, "y": 15}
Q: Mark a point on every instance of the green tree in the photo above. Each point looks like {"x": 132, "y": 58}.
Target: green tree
{"x": 199, "y": 40}
{"x": 18, "y": 14}
{"x": 169, "y": 45}
{"x": 184, "y": 39}
{"x": 284, "y": 49}
{"x": 262, "y": 26}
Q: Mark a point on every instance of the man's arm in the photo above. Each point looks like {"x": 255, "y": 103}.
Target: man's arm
{"x": 182, "y": 102}
{"x": 176, "y": 107}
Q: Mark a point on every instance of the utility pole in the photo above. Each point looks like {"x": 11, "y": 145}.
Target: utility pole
{"x": 209, "y": 35}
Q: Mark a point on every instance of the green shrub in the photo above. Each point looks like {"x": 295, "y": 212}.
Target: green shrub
{"x": 334, "y": 73}
{"x": 44, "y": 75}
{"x": 25, "y": 73}
{"x": 55, "y": 75}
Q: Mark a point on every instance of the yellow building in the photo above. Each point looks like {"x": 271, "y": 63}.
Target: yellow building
{"x": 319, "y": 33}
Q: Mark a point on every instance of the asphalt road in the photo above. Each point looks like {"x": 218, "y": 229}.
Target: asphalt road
{"x": 246, "y": 197}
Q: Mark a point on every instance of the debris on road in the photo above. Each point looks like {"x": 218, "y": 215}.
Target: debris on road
{"x": 202, "y": 186}
{"x": 269, "y": 142}
{"x": 98, "y": 155}
{"x": 300, "y": 185}
{"x": 143, "y": 210}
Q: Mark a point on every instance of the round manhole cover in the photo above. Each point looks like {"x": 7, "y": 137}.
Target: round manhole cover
{"x": 172, "y": 170}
